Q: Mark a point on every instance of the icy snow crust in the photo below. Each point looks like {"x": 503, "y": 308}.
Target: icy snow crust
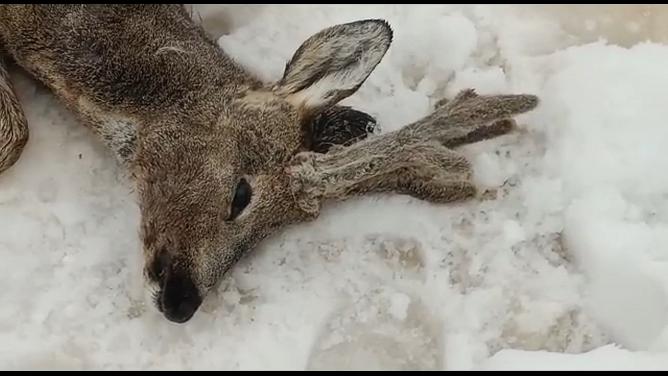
{"x": 564, "y": 266}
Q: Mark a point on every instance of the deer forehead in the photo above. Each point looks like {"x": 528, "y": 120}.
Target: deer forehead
{"x": 271, "y": 102}
{"x": 259, "y": 97}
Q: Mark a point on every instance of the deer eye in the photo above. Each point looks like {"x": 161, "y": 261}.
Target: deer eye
{"x": 242, "y": 197}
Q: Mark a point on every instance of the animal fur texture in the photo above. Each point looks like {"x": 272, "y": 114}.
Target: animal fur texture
{"x": 220, "y": 160}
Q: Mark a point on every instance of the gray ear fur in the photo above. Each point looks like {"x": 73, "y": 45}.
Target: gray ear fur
{"x": 332, "y": 64}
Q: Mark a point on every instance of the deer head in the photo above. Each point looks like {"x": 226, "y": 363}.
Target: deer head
{"x": 209, "y": 194}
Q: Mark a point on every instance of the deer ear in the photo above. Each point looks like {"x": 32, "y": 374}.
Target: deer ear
{"x": 332, "y": 64}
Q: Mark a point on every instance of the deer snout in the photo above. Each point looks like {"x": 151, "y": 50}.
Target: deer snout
{"x": 179, "y": 298}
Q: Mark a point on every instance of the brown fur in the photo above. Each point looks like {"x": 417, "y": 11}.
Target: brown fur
{"x": 13, "y": 125}
{"x": 189, "y": 123}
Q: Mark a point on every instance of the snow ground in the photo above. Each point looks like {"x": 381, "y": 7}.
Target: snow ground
{"x": 566, "y": 268}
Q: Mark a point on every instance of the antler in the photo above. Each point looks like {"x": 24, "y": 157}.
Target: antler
{"x": 414, "y": 160}
{"x": 471, "y": 118}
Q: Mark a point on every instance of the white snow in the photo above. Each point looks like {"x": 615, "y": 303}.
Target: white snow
{"x": 605, "y": 358}
{"x": 565, "y": 267}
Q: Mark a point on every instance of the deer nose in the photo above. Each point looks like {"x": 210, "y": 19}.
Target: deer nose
{"x": 180, "y": 298}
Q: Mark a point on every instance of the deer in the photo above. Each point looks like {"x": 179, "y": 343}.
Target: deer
{"x": 218, "y": 159}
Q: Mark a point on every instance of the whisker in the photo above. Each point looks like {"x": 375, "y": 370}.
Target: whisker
{"x": 155, "y": 296}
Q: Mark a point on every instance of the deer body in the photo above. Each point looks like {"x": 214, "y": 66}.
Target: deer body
{"x": 124, "y": 69}
{"x": 220, "y": 159}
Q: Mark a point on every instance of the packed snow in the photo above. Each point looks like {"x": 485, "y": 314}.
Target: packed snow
{"x": 564, "y": 264}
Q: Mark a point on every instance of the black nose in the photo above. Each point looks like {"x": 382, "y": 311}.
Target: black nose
{"x": 180, "y": 298}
